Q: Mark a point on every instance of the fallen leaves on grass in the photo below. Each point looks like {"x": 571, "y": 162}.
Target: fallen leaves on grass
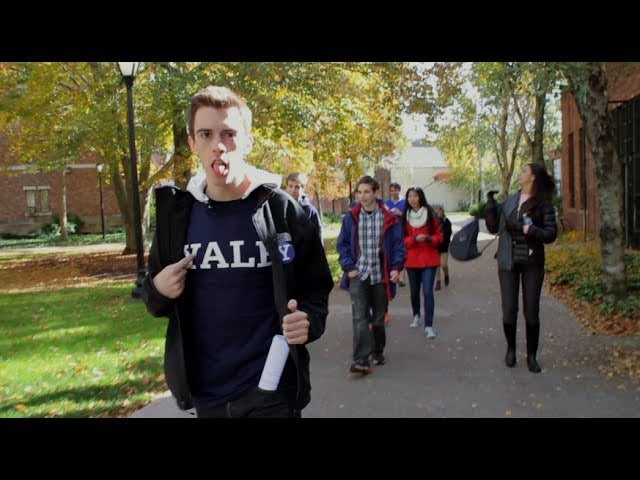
{"x": 618, "y": 359}
{"x": 64, "y": 271}
{"x": 590, "y": 316}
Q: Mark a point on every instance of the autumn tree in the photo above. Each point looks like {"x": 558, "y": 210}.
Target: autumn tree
{"x": 40, "y": 104}
{"x": 311, "y": 117}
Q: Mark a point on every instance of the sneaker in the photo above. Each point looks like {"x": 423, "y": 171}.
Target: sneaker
{"x": 416, "y": 321}
{"x": 378, "y": 359}
{"x": 430, "y": 332}
{"x": 360, "y": 367}
{"x": 446, "y": 280}
{"x": 438, "y": 287}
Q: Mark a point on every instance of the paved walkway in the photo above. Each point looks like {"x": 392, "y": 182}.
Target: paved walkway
{"x": 461, "y": 373}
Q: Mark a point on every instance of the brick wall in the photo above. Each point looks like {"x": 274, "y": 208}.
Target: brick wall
{"x": 625, "y": 86}
{"x": 576, "y": 215}
{"x": 83, "y": 199}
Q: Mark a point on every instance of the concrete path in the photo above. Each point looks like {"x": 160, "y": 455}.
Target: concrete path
{"x": 461, "y": 373}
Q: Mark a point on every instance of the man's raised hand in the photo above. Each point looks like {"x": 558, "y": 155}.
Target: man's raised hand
{"x": 170, "y": 281}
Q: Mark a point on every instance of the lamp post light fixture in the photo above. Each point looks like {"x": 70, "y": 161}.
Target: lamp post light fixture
{"x": 129, "y": 71}
{"x": 100, "y": 168}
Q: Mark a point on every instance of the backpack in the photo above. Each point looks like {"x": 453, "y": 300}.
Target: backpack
{"x": 464, "y": 243}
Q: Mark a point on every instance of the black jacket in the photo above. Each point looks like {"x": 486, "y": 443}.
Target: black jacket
{"x": 307, "y": 279}
{"x": 514, "y": 246}
{"x": 445, "y": 225}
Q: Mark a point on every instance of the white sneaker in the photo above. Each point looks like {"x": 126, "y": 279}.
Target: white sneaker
{"x": 430, "y": 332}
{"x": 416, "y": 322}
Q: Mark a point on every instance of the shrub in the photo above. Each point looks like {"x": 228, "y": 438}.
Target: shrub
{"x": 331, "y": 217}
{"x": 578, "y": 265}
{"x": 463, "y": 205}
{"x": 74, "y": 225}
{"x": 477, "y": 209}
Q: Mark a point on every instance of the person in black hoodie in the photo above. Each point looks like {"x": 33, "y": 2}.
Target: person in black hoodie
{"x": 235, "y": 264}
{"x": 443, "y": 248}
{"x": 525, "y": 221}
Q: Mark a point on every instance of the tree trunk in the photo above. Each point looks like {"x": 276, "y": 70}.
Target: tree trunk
{"x": 122, "y": 187}
{"x": 598, "y": 126}
{"x": 538, "y": 129}
{"x": 506, "y": 154}
{"x": 64, "y": 231}
{"x": 180, "y": 159}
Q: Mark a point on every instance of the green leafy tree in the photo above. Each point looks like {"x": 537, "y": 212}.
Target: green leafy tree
{"x": 532, "y": 86}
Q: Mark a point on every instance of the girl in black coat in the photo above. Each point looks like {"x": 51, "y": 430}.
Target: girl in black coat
{"x": 525, "y": 221}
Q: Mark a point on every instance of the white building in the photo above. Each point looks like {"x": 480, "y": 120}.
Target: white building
{"x": 419, "y": 165}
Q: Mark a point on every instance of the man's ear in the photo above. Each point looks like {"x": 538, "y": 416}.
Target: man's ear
{"x": 191, "y": 142}
{"x": 249, "y": 145}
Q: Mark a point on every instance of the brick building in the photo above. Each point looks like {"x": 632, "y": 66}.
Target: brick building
{"x": 30, "y": 199}
{"x": 579, "y": 189}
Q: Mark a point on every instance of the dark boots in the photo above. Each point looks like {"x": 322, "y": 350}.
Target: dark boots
{"x": 510, "y": 335}
{"x": 533, "y": 335}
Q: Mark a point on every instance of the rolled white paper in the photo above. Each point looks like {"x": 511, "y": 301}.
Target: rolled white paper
{"x": 274, "y": 365}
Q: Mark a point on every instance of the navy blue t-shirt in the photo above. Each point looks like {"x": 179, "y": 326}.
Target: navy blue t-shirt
{"x": 231, "y": 289}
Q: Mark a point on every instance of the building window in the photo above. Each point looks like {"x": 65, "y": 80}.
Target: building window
{"x": 30, "y": 193}
{"x": 581, "y": 168}
{"x": 571, "y": 177}
{"x": 37, "y": 200}
{"x": 44, "y": 200}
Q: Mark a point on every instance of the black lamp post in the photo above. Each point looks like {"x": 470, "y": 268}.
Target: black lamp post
{"x": 100, "y": 168}
{"x": 129, "y": 71}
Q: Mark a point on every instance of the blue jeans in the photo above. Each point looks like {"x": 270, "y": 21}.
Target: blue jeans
{"x": 368, "y": 305}
{"x": 255, "y": 404}
{"x": 422, "y": 277}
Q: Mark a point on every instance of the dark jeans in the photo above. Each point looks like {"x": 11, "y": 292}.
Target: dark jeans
{"x": 255, "y": 404}
{"x": 532, "y": 276}
{"x": 368, "y": 305}
{"x": 422, "y": 277}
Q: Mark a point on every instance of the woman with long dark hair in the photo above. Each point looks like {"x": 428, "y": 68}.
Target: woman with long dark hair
{"x": 422, "y": 235}
{"x": 525, "y": 221}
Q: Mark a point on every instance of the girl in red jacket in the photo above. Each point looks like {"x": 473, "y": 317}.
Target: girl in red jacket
{"x": 422, "y": 235}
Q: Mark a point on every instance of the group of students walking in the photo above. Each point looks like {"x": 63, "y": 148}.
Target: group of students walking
{"x": 376, "y": 242}
{"x": 379, "y": 240}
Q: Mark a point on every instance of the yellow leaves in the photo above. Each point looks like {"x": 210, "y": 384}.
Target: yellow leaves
{"x": 21, "y": 407}
{"x": 79, "y": 368}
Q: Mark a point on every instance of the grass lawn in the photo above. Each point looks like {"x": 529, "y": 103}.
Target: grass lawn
{"x": 78, "y": 352}
{"x": 50, "y": 241}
